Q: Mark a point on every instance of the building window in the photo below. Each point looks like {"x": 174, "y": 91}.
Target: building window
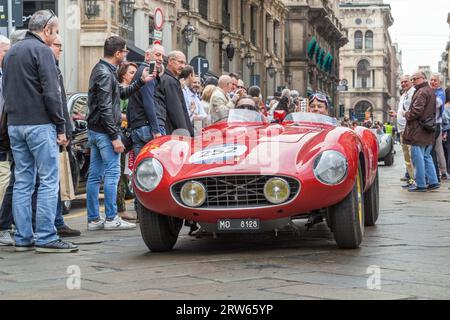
{"x": 226, "y": 14}
{"x": 185, "y": 4}
{"x": 203, "y": 8}
{"x": 243, "y": 11}
{"x": 358, "y": 21}
{"x": 254, "y": 11}
{"x": 363, "y": 74}
{"x": 369, "y": 40}
{"x": 358, "y": 40}
{"x": 151, "y": 29}
{"x": 276, "y": 37}
{"x": 202, "y": 48}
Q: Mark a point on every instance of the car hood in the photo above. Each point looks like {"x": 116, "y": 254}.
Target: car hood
{"x": 270, "y": 149}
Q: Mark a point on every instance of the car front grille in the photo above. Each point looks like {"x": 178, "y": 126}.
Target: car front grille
{"x": 241, "y": 191}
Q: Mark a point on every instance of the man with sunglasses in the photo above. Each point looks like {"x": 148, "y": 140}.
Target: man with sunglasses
{"x": 423, "y": 107}
{"x": 36, "y": 127}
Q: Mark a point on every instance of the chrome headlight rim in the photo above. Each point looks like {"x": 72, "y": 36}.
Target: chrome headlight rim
{"x": 286, "y": 184}
{"x": 193, "y": 182}
{"x": 317, "y": 161}
{"x": 157, "y": 167}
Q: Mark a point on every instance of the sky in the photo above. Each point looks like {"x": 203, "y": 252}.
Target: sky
{"x": 421, "y": 30}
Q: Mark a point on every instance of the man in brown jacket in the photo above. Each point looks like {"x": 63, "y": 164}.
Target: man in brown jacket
{"x": 423, "y": 106}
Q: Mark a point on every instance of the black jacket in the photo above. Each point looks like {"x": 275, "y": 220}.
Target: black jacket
{"x": 69, "y": 128}
{"x": 30, "y": 84}
{"x": 104, "y": 97}
{"x": 142, "y": 105}
{"x": 171, "y": 111}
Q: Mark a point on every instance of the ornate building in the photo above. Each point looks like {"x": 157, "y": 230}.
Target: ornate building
{"x": 313, "y": 37}
{"x": 369, "y": 62}
{"x": 444, "y": 64}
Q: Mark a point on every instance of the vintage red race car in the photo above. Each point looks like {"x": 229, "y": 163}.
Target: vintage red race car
{"x": 248, "y": 175}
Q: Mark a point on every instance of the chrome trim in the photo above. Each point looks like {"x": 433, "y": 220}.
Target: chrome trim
{"x": 330, "y": 184}
{"x": 237, "y": 208}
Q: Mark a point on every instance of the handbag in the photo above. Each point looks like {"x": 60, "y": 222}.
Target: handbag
{"x": 429, "y": 124}
{"x": 65, "y": 177}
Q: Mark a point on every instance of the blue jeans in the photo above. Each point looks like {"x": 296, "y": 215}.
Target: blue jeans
{"x": 104, "y": 164}
{"x": 59, "y": 220}
{"x": 141, "y": 136}
{"x": 35, "y": 151}
{"x": 424, "y": 166}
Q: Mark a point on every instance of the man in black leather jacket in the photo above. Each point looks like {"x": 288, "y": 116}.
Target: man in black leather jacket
{"x": 104, "y": 134}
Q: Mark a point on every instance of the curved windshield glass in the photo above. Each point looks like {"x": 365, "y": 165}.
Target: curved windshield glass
{"x": 310, "y": 117}
{"x": 244, "y": 115}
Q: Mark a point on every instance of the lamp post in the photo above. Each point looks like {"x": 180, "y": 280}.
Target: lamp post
{"x": 289, "y": 78}
{"x": 249, "y": 59}
{"x": 188, "y": 33}
{"x": 271, "y": 70}
{"x": 126, "y": 8}
{"x": 230, "y": 51}
{"x": 91, "y": 8}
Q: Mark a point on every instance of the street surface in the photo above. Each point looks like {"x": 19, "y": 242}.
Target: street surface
{"x": 409, "y": 250}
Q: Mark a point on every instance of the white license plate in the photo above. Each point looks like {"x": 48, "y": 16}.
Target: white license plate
{"x": 238, "y": 224}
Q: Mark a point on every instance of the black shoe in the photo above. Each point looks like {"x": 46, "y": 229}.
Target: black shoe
{"x": 444, "y": 176}
{"x": 68, "y": 232}
{"x": 24, "y": 248}
{"x": 434, "y": 186}
{"x": 57, "y": 246}
{"x": 414, "y": 188}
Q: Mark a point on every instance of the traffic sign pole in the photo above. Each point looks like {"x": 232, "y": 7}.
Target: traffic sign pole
{"x": 10, "y": 17}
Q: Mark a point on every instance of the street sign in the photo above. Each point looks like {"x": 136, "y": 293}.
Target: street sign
{"x": 341, "y": 88}
{"x": 159, "y": 19}
{"x": 200, "y": 65}
{"x": 17, "y": 9}
{"x": 157, "y": 35}
{"x": 344, "y": 82}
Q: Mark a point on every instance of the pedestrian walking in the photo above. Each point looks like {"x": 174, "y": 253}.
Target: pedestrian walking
{"x": 438, "y": 149}
{"x": 104, "y": 134}
{"x": 172, "y": 113}
{"x": 36, "y": 127}
{"x": 419, "y": 136}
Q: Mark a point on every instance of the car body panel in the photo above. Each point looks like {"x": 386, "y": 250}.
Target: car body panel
{"x": 285, "y": 150}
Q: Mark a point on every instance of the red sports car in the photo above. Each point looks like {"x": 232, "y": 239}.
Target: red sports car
{"x": 248, "y": 175}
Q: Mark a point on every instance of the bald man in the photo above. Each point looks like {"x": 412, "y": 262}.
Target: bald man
{"x": 171, "y": 112}
{"x": 220, "y": 101}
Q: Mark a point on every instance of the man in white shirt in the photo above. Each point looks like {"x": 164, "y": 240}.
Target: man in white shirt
{"x": 405, "y": 102}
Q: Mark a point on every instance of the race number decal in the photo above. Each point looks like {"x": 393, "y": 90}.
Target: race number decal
{"x": 217, "y": 154}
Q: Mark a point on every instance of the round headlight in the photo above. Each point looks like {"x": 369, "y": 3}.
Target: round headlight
{"x": 277, "y": 190}
{"x": 148, "y": 174}
{"x": 330, "y": 167}
{"x": 193, "y": 194}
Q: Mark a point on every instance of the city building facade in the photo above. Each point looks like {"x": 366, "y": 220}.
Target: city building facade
{"x": 314, "y": 35}
{"x": 444, "y": 64}
{"x": 369, "y": 62}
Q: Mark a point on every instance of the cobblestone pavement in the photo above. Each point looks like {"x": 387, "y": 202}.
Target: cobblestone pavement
{"x": 410, "y": 245}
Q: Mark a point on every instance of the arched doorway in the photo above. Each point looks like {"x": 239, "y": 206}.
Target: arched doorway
{"x": 361, "y": 109}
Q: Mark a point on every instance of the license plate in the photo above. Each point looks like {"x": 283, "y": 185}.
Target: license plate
{"x": 238, "y": 224}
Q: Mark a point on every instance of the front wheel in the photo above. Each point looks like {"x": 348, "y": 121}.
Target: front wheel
{"x": 389, "y": 159}
{"x": 159, "y": 232}
{"x": 347, "y": 217}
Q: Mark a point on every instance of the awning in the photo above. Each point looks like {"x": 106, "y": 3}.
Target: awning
{"x": 312, "y": 47}
{"x": 135, "y": 54}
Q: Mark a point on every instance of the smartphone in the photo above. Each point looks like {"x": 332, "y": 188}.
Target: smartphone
{"x": 151, "y": 67}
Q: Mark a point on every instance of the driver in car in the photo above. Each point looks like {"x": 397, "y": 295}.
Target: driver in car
{"x": 318, "y": 103}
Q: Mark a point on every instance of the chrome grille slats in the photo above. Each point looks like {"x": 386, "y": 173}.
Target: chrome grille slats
{"x": 236, "y": 191}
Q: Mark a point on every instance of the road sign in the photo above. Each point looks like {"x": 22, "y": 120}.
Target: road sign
{"x": 344, "y": 82}
{"x": 157, "y": 35}
{"x": 159, "y": 19}
{"x": 341, "y": 88}
{"x": 200, "y": 65}
{"x": 17, "y": 12}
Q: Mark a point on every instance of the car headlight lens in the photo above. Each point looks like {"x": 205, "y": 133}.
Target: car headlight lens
{"x": 277, "y": 190}
{"x": 193, "y": 194}
{"x": 149, "y": 174}
{"x": 330, "y": 167}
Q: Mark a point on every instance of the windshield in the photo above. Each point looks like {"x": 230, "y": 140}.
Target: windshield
{"x": 310, "y": 117}
{"x": 244, "y": 115}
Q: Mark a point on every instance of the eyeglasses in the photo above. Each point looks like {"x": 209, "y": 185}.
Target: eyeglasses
{"x": 240, "y": 87}
{"x": 125, "y": 51}
{"x": 414, "y": 79}
{"x": 58, "y": 45}
{"x": 52, "y": 16}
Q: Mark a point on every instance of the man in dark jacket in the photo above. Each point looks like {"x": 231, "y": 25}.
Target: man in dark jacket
{"x": 423, "y": 106}
{"x": 36, "y": 126}
{"x": 141, "y": 112}
{"x": 172, "y": 113}
{"x": 105, "y": 140}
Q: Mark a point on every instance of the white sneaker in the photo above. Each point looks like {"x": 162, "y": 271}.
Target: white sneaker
{"x": 94, "y": 226}
{"x": 119, "y": 224}
{"x": 5, "y": 238}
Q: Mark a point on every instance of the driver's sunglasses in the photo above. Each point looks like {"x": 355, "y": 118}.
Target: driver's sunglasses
{"x": 51, "y": 17}
{"x": 320, "y": 97}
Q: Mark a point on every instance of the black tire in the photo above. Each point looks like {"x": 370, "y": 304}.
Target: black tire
{"x": 159, "y": 232}
{"x": 347, "y": 217}
{"x": 66, "y": 206}
{"x": 389, "y": 159}
{"x": 372, "y": 204}
{"x": 129, "y": 194}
